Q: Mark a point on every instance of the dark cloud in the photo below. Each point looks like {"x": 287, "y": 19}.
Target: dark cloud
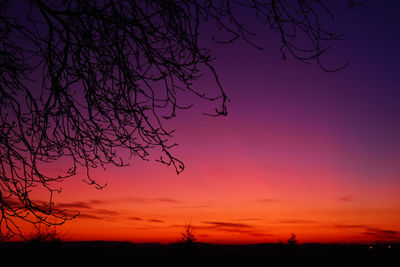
{"x": 149, "y": 200}
{"x": 235, "y": 228}
{"x": 135, "y": 218}
{"x": 247, "y": 219}
{"x": 375, "y": 232}
{"x": 295, "y": 221}
{"x": 347, "y": 198}
{"x": 100, "y": 214}
{"x": 229, "y": 224}
{"x": 87, "y": 209}
{"x": 156, "y": 221}
{"x": 381, "y": 233}
{"x": 106, "y": 212}
{"x": 87, "y": 205}
{"x": 90, "y": 203}
{"x": 16, "y": 204}
{"x": 257, "y": 234}
{"x": 87, "y": 212}
{"x": 74, "y": 205}
{"x": 11, "y": 203}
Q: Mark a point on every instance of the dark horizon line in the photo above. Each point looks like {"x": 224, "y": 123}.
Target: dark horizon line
{"x": 378, "y": 243}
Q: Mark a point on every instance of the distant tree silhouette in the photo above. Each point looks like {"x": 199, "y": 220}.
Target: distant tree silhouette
{"x": 44, "y": 234}
{"x": 81, "y": 80}
{"x": 188, "y": 237}
{"x": 292, "y": 240}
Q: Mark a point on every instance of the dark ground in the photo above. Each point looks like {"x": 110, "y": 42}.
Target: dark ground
{"x": 129, "y": 254}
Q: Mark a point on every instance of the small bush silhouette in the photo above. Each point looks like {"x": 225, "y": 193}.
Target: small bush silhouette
{"x": 45, "y": 235}
{"x": 188, "y": 236}
{"x": 292, "y": 240}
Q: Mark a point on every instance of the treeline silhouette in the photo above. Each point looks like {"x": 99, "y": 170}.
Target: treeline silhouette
{"x": 199, "y": 254}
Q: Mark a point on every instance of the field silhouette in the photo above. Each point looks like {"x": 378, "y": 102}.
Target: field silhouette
{"x": 106, "y": 253}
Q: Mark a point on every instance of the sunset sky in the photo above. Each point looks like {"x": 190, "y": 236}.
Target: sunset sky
{"x": 301, "y": 151}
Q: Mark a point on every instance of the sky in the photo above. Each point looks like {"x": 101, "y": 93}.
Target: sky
{"x": 301, "y": 151}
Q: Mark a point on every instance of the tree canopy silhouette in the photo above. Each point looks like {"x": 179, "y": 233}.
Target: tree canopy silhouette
{"x": 81, "y": 81}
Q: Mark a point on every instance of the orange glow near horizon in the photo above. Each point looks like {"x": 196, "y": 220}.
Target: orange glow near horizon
{"x": 232, "y": 200}
{"x": 233, "y": 191}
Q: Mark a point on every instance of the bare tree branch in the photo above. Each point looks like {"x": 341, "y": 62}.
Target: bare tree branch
{"x": 81, "y": 81}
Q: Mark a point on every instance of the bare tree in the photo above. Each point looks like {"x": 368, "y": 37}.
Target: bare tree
{"x": 81, "y": 81}
{"x": 188, "y": 237}
{"x": 47, "y": 234}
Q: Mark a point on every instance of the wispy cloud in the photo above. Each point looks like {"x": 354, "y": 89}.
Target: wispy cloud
{"x": 229, "y": 225}
{"x": 347, "y": 198}
{"x": 98, "y": 214}
{"x": 106, "y": 212}
{"x": 235, "y": 228}
{"x": 133, "y": 218}
{"x": 295, "y": 221}
{"x": 74, "y": 205}
{"x": 156, "y": 221}
{"x": 89, "y": 216}
{"x": 97, "y": 201}
{"x": 247, "y": 219}
{"x": 267, "y": 200}
{"x": 167, "y": 199}
{"x": 138, "y": 200}
{"x": 142, "y": 200}
{"x": 88, "y": 210}
{"x": 11, "y": 203}
{"x": 372, "y": 231}
{"x": 93, "y": 209}
{"x": 381, "y": 233}
{"x": 350, "y": 226}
